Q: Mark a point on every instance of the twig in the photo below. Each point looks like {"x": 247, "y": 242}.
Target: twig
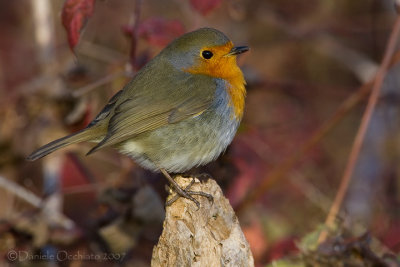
{"x": 355, "y": 151}
{"x": 311, "y": 192}
{"x": 87, "y": 88}
{"x": 362, "y": 67}
{"x": 20, "y": 192}
{"x": 44, "y": 205}
{"x": 284, "y": 167}
{"x": 100, "y": 52}
{"x": 320, "y": 36}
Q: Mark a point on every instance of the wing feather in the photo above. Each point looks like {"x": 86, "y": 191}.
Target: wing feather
{"x": 142, "y": 108}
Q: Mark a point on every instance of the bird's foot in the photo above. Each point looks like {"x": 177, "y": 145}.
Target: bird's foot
{"x": 186, "y": 192}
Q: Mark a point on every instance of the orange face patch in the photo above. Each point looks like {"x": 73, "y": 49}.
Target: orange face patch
{"x": 224, "y": 66}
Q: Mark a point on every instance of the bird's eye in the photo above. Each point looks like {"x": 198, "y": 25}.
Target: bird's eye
{"x": 207, "y": 54}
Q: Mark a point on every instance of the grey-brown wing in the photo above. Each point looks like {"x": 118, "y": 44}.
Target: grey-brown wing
{"x": 148, "y": 109}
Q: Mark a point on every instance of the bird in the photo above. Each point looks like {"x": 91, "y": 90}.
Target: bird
{"x": 181, "y": 110}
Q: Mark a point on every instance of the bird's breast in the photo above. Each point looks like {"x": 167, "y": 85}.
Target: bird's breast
{"x": 237, "y": 92}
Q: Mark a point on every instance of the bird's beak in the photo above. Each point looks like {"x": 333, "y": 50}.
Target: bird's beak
{"x": 238, "y": 50}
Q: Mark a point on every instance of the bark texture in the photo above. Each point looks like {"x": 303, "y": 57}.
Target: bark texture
{"x": 209, "y": 236}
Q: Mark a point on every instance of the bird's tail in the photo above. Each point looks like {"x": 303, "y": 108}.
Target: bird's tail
{"x": 86, "y": 134}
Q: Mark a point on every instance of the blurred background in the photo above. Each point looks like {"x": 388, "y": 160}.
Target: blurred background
{"x": 308, "y": 73}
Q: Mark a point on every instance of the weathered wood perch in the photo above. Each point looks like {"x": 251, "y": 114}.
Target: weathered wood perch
{"x": 209, "y": 236}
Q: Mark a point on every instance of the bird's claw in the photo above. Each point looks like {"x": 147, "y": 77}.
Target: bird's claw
{"x": 186, "y": 193}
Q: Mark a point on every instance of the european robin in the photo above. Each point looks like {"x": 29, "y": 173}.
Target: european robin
{"x": 181, "y": 110}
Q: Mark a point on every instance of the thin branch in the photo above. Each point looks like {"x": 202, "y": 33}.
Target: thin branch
{"x": 20, "y": 192}
{"x": 311, "y": 192}
{"x": 362, "y": 66}
{"x": 37, "y": 202}
{"x": 355, "y": 151}
{"x": 320, "y": 36}
{"x": 107, "y": 79}
{"x": 87, "y": 88}
{"x": 101, "y": 53}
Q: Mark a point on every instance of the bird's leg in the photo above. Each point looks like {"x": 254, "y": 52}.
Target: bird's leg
{"x": 175, "y": 198}
{"x": 186, "y": 193}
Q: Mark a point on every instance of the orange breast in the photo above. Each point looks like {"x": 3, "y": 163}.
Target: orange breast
{"x": 237, "y": 92}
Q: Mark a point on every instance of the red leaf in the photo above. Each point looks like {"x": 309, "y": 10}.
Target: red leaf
{"x": 160, "y": 31}
{"x": 204, "y": 6}
{"x": 75, "y": 14}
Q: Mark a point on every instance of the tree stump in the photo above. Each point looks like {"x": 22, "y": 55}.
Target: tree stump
{"x": 208, "y": 236}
